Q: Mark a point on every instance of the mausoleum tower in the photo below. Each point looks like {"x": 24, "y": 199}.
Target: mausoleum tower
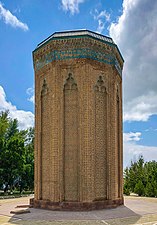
{"x": 78, "y": 122}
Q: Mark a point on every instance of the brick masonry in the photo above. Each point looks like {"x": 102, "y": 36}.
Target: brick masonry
{"x": 78, "y": 124}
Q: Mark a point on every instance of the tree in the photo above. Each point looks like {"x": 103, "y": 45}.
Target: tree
{"x": 16, "y": 154}
{"x": 126, "y": 183}
{"x": 3, "y": 129}
{"x": 141, "y": 178}
{"x": 149, "y": 190}
{"x": 27, "y": 177}
{"x": 11, "y": 150}
{"x": 139, "y": 188}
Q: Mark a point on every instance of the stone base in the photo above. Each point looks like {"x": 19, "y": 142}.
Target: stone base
{"x": 76, "y": 206}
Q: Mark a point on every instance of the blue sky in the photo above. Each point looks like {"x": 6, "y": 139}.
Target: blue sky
{"x": 133, "y": 26}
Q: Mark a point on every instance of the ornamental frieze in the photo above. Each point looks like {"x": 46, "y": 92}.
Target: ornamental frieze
{"x": 82, "y": 53}
{"x": 73, "y": 43}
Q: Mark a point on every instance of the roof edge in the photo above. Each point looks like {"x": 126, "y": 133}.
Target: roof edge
{"x": 80, "y": 32}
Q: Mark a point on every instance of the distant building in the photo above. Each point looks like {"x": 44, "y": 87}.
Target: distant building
{"x": 78, "y": 122}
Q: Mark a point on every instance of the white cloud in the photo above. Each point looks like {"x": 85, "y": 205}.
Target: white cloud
{"x": 71, "y": 5}
{"x": 25, "y": 118}
{"x": 102, "y": 17}
{"x": 132, "y": 150}
{"x": 104, "y": 14}
{"x": 10, "y": 19}
{"x": 150, "y": 129}
{"x": 140, "y": 108}
{"x": 135, "y": 33}
{"x": 101, "y": 26}
{"x": 132, "y": 136}
{"x": 30, "y": 92}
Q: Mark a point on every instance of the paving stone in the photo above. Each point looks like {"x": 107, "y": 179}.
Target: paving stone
{"x": 139, "y": 211}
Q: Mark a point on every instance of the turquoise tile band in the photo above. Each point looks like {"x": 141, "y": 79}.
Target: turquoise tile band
{"x": 84, "y": 53}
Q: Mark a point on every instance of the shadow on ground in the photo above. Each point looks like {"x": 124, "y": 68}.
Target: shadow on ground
{"x": 118, "y": 216}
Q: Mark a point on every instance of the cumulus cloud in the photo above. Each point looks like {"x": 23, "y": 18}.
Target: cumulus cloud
{"x": 135, "y": 33}
{"x": 71, "y": 5}
{"x": 132, "y": 150}
{"x": 132, "y": 136}
{"x": 140, "y": 108}
{"x": 102, "y": 18}
{"x": 10, "y": 19}
{"x": 25, "y": 118}
{"x": 30, "y": 93}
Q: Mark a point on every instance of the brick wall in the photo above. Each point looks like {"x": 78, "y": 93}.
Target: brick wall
{"x": 78, "y": 126}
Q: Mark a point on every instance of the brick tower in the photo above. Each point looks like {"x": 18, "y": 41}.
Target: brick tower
{"x": 78, "y": 122}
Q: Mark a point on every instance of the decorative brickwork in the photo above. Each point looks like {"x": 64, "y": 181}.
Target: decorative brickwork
{"x": 71, "y": 139}
{"x": 78, "y": 122}
{"x": 45, "y": 148}
{"x": 100, "y": 140}
{"x": 75, "y": 54}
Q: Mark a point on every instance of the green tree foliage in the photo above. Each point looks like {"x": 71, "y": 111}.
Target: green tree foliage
{"x": 139, "y": 188}
{"x": 28, "y": 166}
{"x": 16, "y": 154}
{"x": 141, "y": 178}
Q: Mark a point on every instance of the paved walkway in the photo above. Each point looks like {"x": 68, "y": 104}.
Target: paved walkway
{"x": 136, "y": 211}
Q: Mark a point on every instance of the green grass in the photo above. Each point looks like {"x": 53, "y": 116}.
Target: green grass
{"x": 14, "y": 194}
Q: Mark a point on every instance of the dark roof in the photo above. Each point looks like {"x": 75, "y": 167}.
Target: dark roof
{"x": 72, "y": 33}
{"x": 78, "y": 33}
